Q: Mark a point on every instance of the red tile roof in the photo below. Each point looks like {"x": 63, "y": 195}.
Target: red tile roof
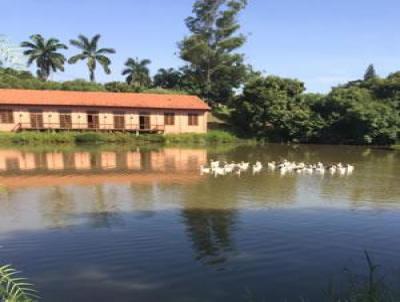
{"x": 100, "y": 99}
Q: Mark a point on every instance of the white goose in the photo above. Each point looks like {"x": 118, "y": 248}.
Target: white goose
{"x": 271, "y": 165}
{"x": 219, "y": 171}
{"x": 257, "y": 168}
{"x": 204, "y": 170}
{"x": 214, "y": 164}
{"x": 349, "y": 168}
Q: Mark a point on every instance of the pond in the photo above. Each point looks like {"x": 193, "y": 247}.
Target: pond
{"x": 142, "y": 224}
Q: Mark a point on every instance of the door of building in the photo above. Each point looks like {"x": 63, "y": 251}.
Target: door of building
{"x": 93, "y": 120}
{"x": 144, "y": 122}
{"x": 36, "y": 118}
{"x": 65, "y": 120}
{"x": 119, "y": 120}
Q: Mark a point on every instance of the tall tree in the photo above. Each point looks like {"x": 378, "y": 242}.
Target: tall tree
{"x": 370, "y": 73}
{"x": 45, "y": 54}
{"x": 92, "y": 54}
{"x": 137, "y": 73}
{"x": 168, "y": 78}
{"x": 213, "y": 64}
{"x": 276, "y": 108}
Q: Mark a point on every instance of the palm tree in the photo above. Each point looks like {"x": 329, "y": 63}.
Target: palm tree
{"x": 92, "y": 54}
{"x": 137, "y": 72}
{"x": 45, "y": 54}
{"x": 168, "y": 78}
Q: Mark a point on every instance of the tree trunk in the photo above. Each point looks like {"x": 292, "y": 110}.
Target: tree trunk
{"x": 92, "y": 77}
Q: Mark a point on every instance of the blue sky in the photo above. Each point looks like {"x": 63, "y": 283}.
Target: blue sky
{"x": 320, "y": 42}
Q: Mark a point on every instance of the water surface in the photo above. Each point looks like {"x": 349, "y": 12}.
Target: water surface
{"x": 143, "y": 225}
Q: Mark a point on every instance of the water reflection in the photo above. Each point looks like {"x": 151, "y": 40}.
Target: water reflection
{"x": 211, "y": 233}
{"x": 121, "y": 223}
{"x": 92, "y": 187}
{"x": 24, "y": 169}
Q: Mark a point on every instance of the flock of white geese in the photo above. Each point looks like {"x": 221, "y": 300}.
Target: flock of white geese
{"x": 218, "y": 168}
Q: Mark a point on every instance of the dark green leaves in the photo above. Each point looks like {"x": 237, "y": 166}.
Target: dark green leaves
{"x": 137, "y": 73}
{"x": 91, "y": 52}
{"x": 45, "y": 54}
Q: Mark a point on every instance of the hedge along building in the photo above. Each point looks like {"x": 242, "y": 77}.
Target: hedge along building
{"x": 101, "y": 111}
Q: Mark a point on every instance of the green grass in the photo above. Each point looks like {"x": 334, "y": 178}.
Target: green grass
{"x": 79, "y": 138}
{"x": 396, "y": 147}
{"x": 212, "y": 137}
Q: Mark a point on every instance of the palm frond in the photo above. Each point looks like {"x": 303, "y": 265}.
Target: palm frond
{"x": 105, "y": 63}
{"x": 77, "y": 43}
{"x": 145, "y": 62}
{"x": 27, "y": 44}
{"x": 13, "y": 288}
{"x": 94, "y": 41}
{"x": 38, "y": 40}
{"x": 76, "y": 58}
{"x": 105, "y": 51}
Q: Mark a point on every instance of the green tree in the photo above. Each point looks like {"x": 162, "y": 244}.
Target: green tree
{"x": 214, "y": 68}
{"x": 137, "y": 73}
{"x": 168, "y": 78}
{"x": 370, "y": 73}
{"x": 92, "y": 54}
{"x": 276, "y": 108}
{"x": 119, "y": 87}
{"x": 354, "y": 116}
{"x": 45, "y": 54}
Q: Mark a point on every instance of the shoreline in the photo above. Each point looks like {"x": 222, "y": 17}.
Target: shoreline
{"x": 92, "y": 139}
{"x": 75, "y": 138}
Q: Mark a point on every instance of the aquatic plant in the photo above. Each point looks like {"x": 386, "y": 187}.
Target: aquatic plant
{"x": 369, "y": 289}
{"x": 14, "y": 288}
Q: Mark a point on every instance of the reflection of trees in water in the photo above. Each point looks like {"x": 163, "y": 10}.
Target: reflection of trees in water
{"x": 210, "y": 217}
{"x": 60, "y": 206}
{"x": 376, "y": 178}
{"x": 7, "y": 202}
{"x": 105, "y": 213}
{"x": 57, "y": 203}
{"x": 211, "y": 233}
{"x": 143, "y": 199}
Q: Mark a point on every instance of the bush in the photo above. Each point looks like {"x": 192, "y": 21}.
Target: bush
{"x": 220, "y": 137}
{"x": 89, "y": 137}
{"x": 40, "y": 137}
{"x": 203, "y": 138}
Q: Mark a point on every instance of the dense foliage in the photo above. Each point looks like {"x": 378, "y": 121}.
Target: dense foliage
{"x": 10, "y": 78}
{"x": 276, "y": 108}
{"x": 361, "y": 112}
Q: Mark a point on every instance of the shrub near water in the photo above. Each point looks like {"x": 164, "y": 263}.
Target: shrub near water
{"x": 203, "y": 138}
{"x": 39, "y": 137}
{"x": 25, "y": 138}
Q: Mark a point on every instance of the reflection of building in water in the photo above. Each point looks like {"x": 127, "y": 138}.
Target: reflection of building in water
{"x": 163, "y": 160}
{"x": 119, "y": 164}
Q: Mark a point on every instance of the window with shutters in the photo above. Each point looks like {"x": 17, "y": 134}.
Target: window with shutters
{"x": 6, "y": 116}
{"x": 169, "y": 118}
{"x": 193, "y": 119}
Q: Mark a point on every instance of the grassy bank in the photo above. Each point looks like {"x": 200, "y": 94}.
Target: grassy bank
{"x": 76, "y": 138}
{"x": 396, "y": 147}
